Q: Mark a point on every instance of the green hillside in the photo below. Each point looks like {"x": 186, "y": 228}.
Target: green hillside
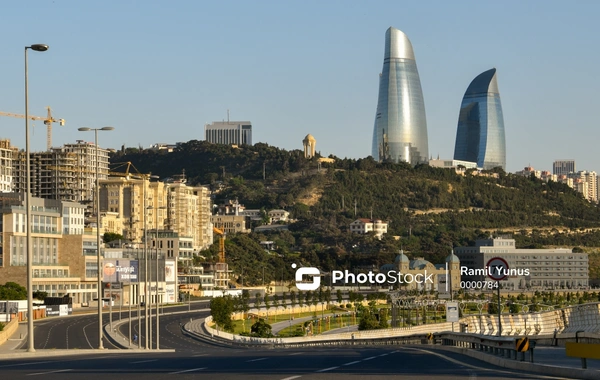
{"x": 429, "y": 209}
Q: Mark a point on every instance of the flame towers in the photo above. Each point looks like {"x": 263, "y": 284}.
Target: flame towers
{"x": 480, "y": 134}
{"x": 400, "y": 132}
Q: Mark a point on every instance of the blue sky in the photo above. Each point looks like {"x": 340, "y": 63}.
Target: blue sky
{"x": 157, "y": 71}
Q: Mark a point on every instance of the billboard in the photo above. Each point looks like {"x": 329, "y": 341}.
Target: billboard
{"x": 170, "y": 293}
{"x": 120, "y": 270}
{"x": 170, "y": 271}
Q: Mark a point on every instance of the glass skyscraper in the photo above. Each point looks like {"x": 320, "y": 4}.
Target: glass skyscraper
{"x": 480, "y": 134}
{"x": 400, "y": 132}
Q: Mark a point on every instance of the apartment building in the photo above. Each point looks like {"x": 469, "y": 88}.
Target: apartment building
{"x": 64, "y": 259}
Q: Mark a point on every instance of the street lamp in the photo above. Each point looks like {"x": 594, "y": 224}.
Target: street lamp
{"x": 97, "y": 195}
{"x": 30, "y": 345}
{"x": 146, "y": 177}
{"x": 157, "y": 271}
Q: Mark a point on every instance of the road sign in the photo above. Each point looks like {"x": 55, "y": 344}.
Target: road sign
{"x": 522, "y": 344}
{"x": 451, "y": 311}
{"x": 497, "y": 268}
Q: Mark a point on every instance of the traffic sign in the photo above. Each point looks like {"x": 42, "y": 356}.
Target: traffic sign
{"x": 497, "y": 268}
{"x": 452, "y": 312}
{"x": 522, "y": 344}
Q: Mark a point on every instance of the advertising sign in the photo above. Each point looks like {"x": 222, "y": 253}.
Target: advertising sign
{"x": 170, "y": 271}
{"x": 120, "y": 270}
{"x": 170, "y": 293}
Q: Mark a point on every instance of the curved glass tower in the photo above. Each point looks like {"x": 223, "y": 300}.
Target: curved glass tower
{"x": 400, "y": 132}
{"x": 480, "y": 134}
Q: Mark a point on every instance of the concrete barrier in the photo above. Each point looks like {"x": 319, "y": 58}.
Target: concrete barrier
{"x": 9, "y": 329}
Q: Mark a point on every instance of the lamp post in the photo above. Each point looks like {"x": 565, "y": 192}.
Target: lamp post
{"x": 97, "y": 195}
{"x": 157, "y": 271}
{"x": 30, "y": 345}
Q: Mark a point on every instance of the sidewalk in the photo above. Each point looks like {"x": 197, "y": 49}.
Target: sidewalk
{"x": 17, "y": 339}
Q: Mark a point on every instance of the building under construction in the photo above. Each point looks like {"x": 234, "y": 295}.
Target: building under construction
{"x": 65, "y": 173}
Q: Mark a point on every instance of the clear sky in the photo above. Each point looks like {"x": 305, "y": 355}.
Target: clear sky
{"x": 158, "y": 71}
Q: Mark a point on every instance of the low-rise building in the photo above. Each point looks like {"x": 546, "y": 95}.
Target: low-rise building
{"x": 364, "y": 225}
{"x": 555, "y": 268}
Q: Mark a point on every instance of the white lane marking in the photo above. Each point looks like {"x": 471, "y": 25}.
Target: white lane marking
{"x": 291, "y": 377}
{"x": 328, "y": 369}
{"x": 200, "y": 355}
{"x": 372, "y": 357}
{"x": 537, "y": 375}
{"x": 144, "y": 361}
{"x": 256, "y": 360}
{"x": 47, "y": 373}
{"x": 85, "y": 335}
{"x": 382, "y": 355}
{"x": 296, "y": 353}
{"x": 20, "y": 364}
{"x": 358, "y": 361}
{"x": 187, "y": 370}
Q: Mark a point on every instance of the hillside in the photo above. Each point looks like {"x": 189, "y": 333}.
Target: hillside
{"x": 430, "y": 209}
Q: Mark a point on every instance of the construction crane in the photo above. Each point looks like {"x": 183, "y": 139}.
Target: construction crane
{"x": 221, "y": 243}
{"x": 48, "y": 120}
{"x": 127, "y": 165}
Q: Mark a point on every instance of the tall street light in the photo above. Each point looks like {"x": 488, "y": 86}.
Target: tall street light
{"x": 30, "y": 346}
{"x": 97, "y": 195}
{"x": 148, "y": 331}
{"x": 156, "y": 209}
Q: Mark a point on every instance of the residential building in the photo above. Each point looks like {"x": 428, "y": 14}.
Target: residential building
{"x": 563, "y": 167}
{"x": 364, "y": 225}
{"x": 65, "y": 173}
{"x": 556, "y": 268}
{"x": 400, "y": 130}
{"x": 170, "y": 206}
{"x": 64, "y": 259}
{"x": 230, "y": 224}
{"x": 586, "y": 183}
{"x": 278, "y": 216}
{"x": 6, "y": 166}
{"x": 480, "y": 134}
{"x": 229, "y": 132}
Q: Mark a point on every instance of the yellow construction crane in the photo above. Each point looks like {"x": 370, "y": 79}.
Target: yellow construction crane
{"x": 128, "y": 165}
{"x": 48, "y": 120}
{"x": 221, "y": 243}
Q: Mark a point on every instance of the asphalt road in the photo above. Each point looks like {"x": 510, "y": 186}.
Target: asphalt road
{"x": 194, "y": 358}
{"x": 81, "y": 331}
{"x": 209, "y": 362}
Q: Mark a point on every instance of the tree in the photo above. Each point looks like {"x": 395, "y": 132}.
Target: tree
{"x": 261, "y": 329}
{"x": 267, "y": 302}
{"x": 257, "y": 301}
{"x": 276, "y": 304}
{"x": 293, "y": 300}
{"x": 39, "y": 295}
{"x": 339, "y": 296}
{"x": 221, "y": 309}
{"x": 368, "y": 321}
{"x": 111, "y": 236}
{"x": 12, "y": 291}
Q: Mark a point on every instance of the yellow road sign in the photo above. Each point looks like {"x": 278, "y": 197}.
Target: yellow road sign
{"x": 522, "y": 344}
{"x": 583, "y": 350}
